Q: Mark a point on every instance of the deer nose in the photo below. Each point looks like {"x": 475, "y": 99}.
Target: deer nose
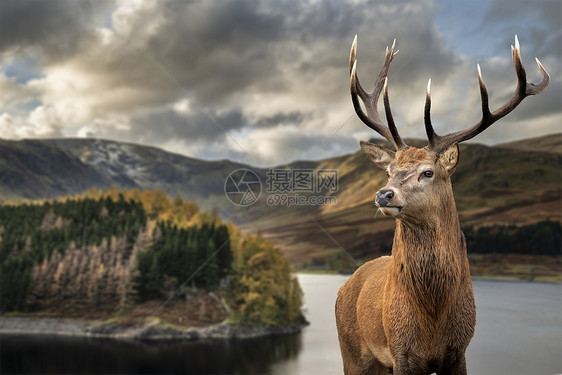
{"x": 384, "y": 197}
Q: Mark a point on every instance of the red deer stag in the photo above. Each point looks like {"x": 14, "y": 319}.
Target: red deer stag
{"x": 413, "y": 312}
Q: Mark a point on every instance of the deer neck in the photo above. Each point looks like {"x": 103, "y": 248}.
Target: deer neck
{"x": 429, "y": 260}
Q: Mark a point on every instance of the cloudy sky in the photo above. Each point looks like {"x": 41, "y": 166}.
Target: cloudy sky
{"x": 266, "y": 82}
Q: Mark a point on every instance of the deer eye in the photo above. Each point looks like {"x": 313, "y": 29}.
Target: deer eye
{"x": 428, "y": 174}
{"x": 387, "y": 174}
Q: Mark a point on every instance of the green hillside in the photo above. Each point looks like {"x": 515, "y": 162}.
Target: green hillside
{"x": 491, "y": 186}
{"x": 518, "y": 183}
{"x": 36, "y": 169}
{"x": 550, "y": 143}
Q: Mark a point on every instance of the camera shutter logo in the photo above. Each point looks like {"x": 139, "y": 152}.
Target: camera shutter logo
{"x": 242, "y": 187}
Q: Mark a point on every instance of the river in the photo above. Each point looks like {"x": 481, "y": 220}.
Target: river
{"x": 518, "y": 331}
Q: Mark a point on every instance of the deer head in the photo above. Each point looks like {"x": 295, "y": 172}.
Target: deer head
{"x": 419, "y": 183}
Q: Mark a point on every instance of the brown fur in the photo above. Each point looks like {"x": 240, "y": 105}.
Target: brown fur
{"x": 412, "y": 312}
{"x": 411, "y": 156}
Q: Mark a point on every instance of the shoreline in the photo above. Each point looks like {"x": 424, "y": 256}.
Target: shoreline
{"x": 482, "y": 277}
{"x": 148, "y": 331}
{"x": 538, "y": 280}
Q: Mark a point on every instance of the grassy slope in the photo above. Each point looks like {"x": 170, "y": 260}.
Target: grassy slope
{"x": 549, "y": 143}
{"x": 491, "y": 185}
{"x": 36, "y": 169}
{"x": 514, "y": 183}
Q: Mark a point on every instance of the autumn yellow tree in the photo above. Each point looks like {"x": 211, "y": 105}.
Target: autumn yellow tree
{"x": 265, "y": 290}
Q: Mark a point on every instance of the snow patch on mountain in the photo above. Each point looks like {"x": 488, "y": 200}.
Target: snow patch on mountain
{"x": 115, "y": 159}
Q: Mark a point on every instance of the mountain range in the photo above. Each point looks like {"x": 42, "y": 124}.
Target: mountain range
{"x": 518, "y": 182}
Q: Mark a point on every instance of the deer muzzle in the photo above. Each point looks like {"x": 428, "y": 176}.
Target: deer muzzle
{"x": 384, "y": 197}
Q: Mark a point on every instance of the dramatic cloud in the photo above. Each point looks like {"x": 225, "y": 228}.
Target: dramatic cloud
{"x": 259, "y": 81}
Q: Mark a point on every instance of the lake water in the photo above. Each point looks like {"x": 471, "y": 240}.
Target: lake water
{"x": 518, "y": 331}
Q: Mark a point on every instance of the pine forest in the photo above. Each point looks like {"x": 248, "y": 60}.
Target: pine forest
{"x": 132, "y": 254}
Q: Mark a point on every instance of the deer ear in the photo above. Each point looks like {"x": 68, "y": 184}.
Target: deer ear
{"x": 449, "y": 158}
{"x": 377, "y": 154}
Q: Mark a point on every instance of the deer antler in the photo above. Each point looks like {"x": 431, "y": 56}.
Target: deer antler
{"x": 371, "y": 118}
{"x": 439, "y": 143}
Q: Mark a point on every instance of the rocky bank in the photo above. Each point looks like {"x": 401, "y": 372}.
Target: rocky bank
{"x": 153, "y": 330}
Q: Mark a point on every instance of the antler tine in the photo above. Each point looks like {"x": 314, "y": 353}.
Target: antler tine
{"x": 389, "y": 119}
{"x": 352, "y": 62}
{"x": 523, "y": 90}
{"x": 483, "y": 96}
{"x": 427, "y": 116}
{"x": 371, "y": 118}
{"x": 353, "y": 54}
